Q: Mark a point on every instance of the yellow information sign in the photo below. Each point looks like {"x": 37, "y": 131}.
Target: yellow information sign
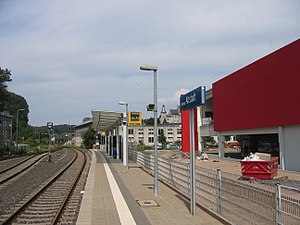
{"x": 134, "y": 118}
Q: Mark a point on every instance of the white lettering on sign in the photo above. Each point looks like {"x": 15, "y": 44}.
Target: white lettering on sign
{"x": 191, "y": 98}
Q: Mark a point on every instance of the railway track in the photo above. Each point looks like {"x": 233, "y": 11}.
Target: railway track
{"x": 19, "y": 167}
{"x": 56, "y": 201}
{"x": 7, "y": 163}
{"x": 70, "y": 212}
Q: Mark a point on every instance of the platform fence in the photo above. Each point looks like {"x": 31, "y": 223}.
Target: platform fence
{"x": 238, "y": 200}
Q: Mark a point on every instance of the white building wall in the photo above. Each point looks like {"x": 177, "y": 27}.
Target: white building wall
{"x": 291, "y": 135}
{"x": 77, "y": 141}
{"x": 143, "y": 133}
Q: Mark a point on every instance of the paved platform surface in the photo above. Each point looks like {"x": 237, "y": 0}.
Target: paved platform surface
{"x": 112, "y": 194}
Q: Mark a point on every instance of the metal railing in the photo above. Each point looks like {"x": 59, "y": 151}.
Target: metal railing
{"x": 287, "y": 205}
{"x": 239, "y": 201}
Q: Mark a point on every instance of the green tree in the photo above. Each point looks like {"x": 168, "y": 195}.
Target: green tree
{"x": 4, "y": 78}
{"x": 150, "y": 121}
{"x": 15, "y": 102}
{"x": 89, "y": 137}
{"x": 10, "y": 101}
{"x": 227, "y": 138}
{"x": 209, "y": 142}
{"x": 162, "y": 138}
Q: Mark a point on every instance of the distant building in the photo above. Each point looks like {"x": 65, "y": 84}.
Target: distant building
{"x": 80, "y": 130}
{"x": 5, "y": 129}
{"x": 169, "y": 124}
{"x": 172, "y": 117}
{"x": 145, "y": 133}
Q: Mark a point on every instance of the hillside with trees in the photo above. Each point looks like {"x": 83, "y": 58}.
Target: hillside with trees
{"x": 35, "y": 137}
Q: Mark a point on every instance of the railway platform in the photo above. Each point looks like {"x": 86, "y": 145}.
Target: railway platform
{"x": 114, "y": 195}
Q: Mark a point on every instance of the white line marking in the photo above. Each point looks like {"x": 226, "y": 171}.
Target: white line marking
{"x": 122, "y": 207}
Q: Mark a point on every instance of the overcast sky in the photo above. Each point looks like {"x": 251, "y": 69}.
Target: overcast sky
{"x": 68, "y": 57}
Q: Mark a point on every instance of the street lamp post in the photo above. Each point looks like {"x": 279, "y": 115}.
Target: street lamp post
{"x": 125, "y": 135}
{"x": 154, "y": 69}
{"x": 17, "y": 128}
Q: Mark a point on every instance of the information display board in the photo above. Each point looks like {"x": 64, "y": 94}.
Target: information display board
{"x": 134, "y": 118}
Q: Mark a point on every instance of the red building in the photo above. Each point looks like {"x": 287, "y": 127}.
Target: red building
{"x": 263, "y": 94}
{"x": 264, "y": 105}
{"x": 260, "y": 104}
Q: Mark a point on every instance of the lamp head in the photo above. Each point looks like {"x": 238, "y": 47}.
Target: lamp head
{"x": 123, "y": 103}
{"x": 148, "y": 67}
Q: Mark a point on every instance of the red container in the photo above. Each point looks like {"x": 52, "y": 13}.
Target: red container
{"x": 265, "y": 170}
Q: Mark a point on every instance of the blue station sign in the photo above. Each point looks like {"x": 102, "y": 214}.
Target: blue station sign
{"x": 194, "y": 98}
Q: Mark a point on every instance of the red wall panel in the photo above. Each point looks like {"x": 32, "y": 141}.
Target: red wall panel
{"x": 265, "y": 93}
{"x": 185, "y": 130}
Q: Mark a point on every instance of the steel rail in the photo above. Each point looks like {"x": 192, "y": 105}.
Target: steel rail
{"x": 14, "y": 214}
{"x": 17, "y": 164}
{"x": 60, "y": 211}
{"x": 21, "y": 170}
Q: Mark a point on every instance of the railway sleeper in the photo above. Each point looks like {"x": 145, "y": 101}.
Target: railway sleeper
{"x": 37, "y": 213}
{"x": 67, "y": 220}
{"x": 39, "y": 209}
{"x": 48, "y": 202}
{"x": 33, "y": 221}
{"x": 72, "y": 208}
{"x": 35, "y": 217}
{"x": 43, "y": 207}
{"x": 72, "y": 213}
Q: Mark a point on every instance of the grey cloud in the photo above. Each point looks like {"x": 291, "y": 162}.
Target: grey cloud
{"x": 86, "y": 54}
